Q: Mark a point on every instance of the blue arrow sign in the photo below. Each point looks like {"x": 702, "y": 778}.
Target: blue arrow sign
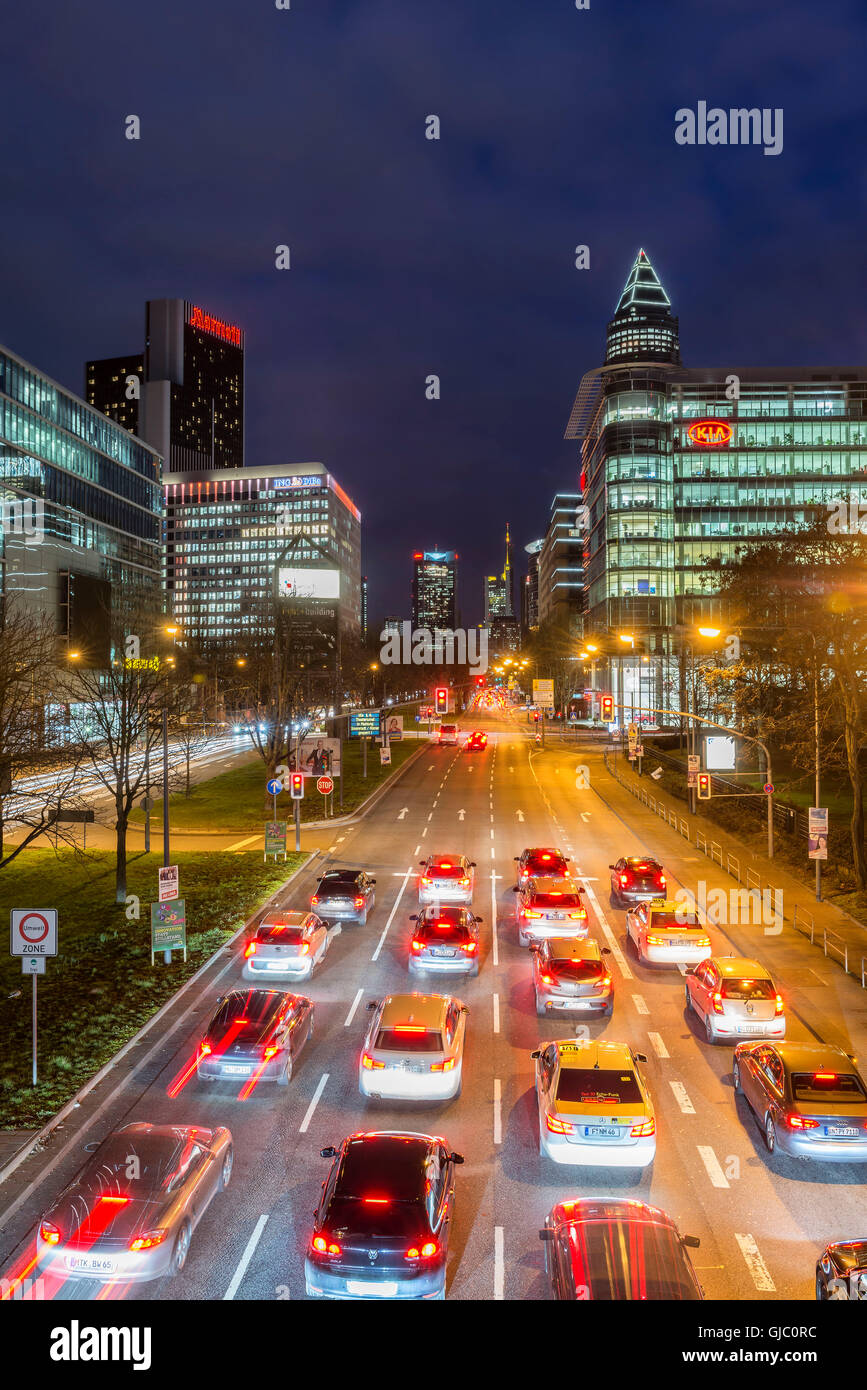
{"x": 275, "y": 786}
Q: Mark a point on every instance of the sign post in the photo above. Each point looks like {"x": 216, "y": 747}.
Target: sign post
{"x": 33, "y": 937}
{"x": 693, "y": 764}
{"x": 325, "y": 785}
{"x": 274, "y": 787}
{"x": 275, "y": 839}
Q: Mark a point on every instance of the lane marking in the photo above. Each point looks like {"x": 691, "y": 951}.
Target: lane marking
{"x": 499, "y": 1264}
{"x": 313, "y": 1104}
{"x": 355, "y": 1003}
{"x": 496, "y": 999}
{"x": 640, "y": 1005}
{"x": 424, "y": 832}
{"x": 241, "y": 843}
{"x": 246, "y": 1258}
{"x": 658, "y": 1045}
{"x": 712, "y": 1165}
{"x": 682, "y": 1098}
{"x": 417, "y": 848}
{"x": 495, "y": 952}
{"x": 375, "y": 955}
{"x": 603, "y": 923}
{"x": 498, "y": 1118}
{"x": 755, "y": 1264}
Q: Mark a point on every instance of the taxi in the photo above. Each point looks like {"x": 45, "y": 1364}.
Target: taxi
{"x": 666, "y": 932}
{"x": 594, "y": 1107}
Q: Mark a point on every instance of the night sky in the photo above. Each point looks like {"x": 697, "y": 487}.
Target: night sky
{"x": 409, "y": 256}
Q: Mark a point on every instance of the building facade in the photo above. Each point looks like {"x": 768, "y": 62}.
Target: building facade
{"x": 561, "y": 563}
{"x": 113, "y": 386}
{"x": 435, "y": 589}
{"x": 530, "y": 588}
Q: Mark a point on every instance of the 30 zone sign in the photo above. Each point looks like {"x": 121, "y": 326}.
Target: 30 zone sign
{"x": 33, "y": 931}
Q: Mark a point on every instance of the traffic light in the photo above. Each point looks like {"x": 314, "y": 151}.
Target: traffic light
{"x": 704, "y": 786}
{"x": 296, "y": 786}
{"x": 480, "y": 680}
{"x": 608, "y": 708}
{"x": 442, "y": 699}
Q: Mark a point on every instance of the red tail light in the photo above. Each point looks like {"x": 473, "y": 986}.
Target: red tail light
{"x": 558, "y": 1126}
{"x": 426, "y": 881}
{"x": 824, "y": 1076}
{"x": 250, "y": 951}
{"x": 624, "y": 879}
{"x": 369, "y": 1064}
{"x": 304, "y": 948}
{"x": 314, "y": 900}
{"x": 447, "y": 1065}
{"x": 326, "y": 1247}
{"x": 643, "y": 1131}
{"x": 660, "y": 879}
{"x": 547, "y": 979}
{"x": 148, "y": 1239}
{"x": 606, "y": 981}
{"x": 205, "y": 1049}
{"x": 49, "y": 1233}
{"x": 417, "y": 945}
{"x": 778, "y": 1006}
{"x": 718, "y": 1003}
{"x": 470, "y": 947}
{"x": 579, "y": 916}
{"x": 465, "y": 883}
{"x": 270, "y": 1051}
{"x": 422, "y": 1252}
{"x": 801, "y": 1122}
{"x": 528, "y": 912}
{"x": 359, "y": 902}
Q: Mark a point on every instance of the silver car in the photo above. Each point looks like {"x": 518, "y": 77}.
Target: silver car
{"x": 130, "y": 1214}
{"x": 446, "y": 878}
{"x": 255, "y": 1034}
{"x": 808, "y": 1099}
{"x": 445, "y": 941}
{"x": 735, "y": 998}
{"x": 287, "y": 945}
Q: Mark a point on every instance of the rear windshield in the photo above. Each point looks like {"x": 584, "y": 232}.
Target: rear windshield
{"x": 337, "y": 887}
{"x": 748, "y": 989}
{"x": 816, "y": 1087}
{"x": 280, "y": 934}
{"x": 403, "y": 1040}
{"x": 354, "y": 1217}
{"x": 561, "y": 900}
{"x": 547, "y": 863}
{"x": 642, "y": 869}
{"x": 577, "y": 969}
{"x": 256, "y": 1007}
{"x": 447, "y": 728}
{"x": 630, "y": 1260}
{"x": 447, "y": 870}
{"x": 442, "y": 931}
{"x": 383, "y": 1167}
{"x": 670, "y": 921}
{"x": 594, "y": 1086}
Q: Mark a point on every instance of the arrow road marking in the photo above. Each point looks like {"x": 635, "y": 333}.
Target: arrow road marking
{"x": 404, "y": 812}
{"x": 520, "y": 815}
{"x": 461, "y": 815}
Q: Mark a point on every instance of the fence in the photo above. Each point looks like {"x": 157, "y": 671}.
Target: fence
{"x": 786, "y": 818}
{"x": 830, "y": 942}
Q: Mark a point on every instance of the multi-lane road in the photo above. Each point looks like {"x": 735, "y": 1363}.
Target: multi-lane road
{"x": 761, "y": 1219}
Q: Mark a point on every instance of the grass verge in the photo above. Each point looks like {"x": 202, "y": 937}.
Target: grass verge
{"x": 101, "y": 988}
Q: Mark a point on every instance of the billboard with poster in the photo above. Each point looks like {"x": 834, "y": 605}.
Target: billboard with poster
{"x": 315, "y": 756}
{"x": 293, "y": 582}
{"x": 719, "y": 753}
{"x": 817, "y": 832}
{"x": 393, "y": 726}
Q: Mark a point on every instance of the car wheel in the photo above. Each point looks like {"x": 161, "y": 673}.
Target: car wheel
{"x": 460, "y": 1088}
{"x": 226, "y": 1170}
{"x": 540, "y": 1007}
{"x": 736, "y": 1077}
{"x": 770, "y": 1134}
{"x": 362, "y": 921}
{"x": 708, "y": 1032}
{"x": 286, "y": 1074}
{"x": 689, "y": 1005}
{"x": 181, "y": 1249}
{"x": 820, "y": 1290}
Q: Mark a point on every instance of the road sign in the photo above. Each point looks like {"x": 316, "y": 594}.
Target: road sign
{"x": 384, "y": 756}
{"x": 32, "y": 965}
{"x": 693, "y": 764}
{"x": 275, "y": 838}
{"x": 364, "y": 722}
{"x": 146, "y": 803}
{"x": 169, "y": 927}
{"x": 75, "y": 817}
{"x": 543, "y": 694}
{"x": 33, "y": 931}
{"x": 325, "y": 785}
{"x": 169, "y": 883}
{"x": 274, "y": 787}
{"x": 768, "y": 787}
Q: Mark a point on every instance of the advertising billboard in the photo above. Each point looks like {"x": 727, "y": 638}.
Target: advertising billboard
{"x": 393, "y": 726}
{"x": 364, "y": 723}
{"x": 719, "y": 753}
{"x": 309, "y": 583}
{"x": 316, "y": 757}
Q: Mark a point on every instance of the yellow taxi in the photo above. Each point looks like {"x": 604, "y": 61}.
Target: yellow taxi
{"x": 594, "y": 1106}
{"x": 666, "y": 932}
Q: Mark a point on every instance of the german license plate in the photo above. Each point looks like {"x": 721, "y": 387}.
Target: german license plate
{"x": 366, "y": 1288}
{"x": 751, "y": 1027}
{"x": 237, "y": 1070}
{"x": 601, "y": 1132}
{"x": 840, "y": 1131}
{"x": 90, "y": 1264}
{"x": 441, "y": 951}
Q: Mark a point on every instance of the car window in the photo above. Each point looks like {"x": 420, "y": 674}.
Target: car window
{"x": 598, "y": 1086}
{"x": 409, "y": 1040}
{"x": 828, "y": 1086}
{"x": 671, "y": 921}
{"x": 773, "y": 1069}
{"x": 281, "y": 934}
{"x": 747, "y": 989}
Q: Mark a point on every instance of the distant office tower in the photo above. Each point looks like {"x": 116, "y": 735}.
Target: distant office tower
{"x": 499, "y": 588}
{"x": 561, "y": 561}
{"x": 113, "y": 386}
{"x": 435, "y": 589}
{"x": 530, "y": 588}
{"x": 363, "y": 607}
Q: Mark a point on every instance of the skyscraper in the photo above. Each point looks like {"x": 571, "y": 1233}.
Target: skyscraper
{"x": 435, "y": 589}
{"x": 113, "y": 386}
{"x": 500, "y": 588}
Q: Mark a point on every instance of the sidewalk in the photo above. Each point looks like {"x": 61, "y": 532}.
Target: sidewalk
{"x": 827, "y": 927}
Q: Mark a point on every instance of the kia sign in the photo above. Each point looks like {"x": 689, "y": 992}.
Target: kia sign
{"x": 324, "y": 785}
{"x": 710, "y": 432}
{"x": 33, "y": 931}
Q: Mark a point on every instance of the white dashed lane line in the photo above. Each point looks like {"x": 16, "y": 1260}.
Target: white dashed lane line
{"x": 640, "y": 1005}
{"x": 498, "y": 1112}
{"x": 659, "y": 1046}
{"x": 375, "y": 955}
{"x": 755, "y": 1264}
{"x": 712, "y": 1165}
{"x": 496, "y": 1005}
{"x": 682, "y": 1098}
{"x": 302, "y": 1128}
{"x": 355, "y": 1003}
{"x": 245, "y": 1258}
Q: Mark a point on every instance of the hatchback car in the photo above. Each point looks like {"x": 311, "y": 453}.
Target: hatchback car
{"x": 635, "y": 880}
{"x": 290, "y": 944}
{"x": 666, "y": 933}
{"x": 541, "y": 863}
{"x": 130, "y": 1214}
{"x": 445, "y": 941}
{"x": 344, "y": 895}
{"x": 841, "y": 1271}
{"x": 594, "y": 1108}
{"x": 808, "y": 1099}
{"x": 414, "y": 1048}
{"x": 616, "y": 1250}
{"x": 255, "y": 1033}
{"x": 570, "y": 976}
{"x": 448, "y": 735}
{"x": 477, "y": 742}
{"x": 547, "y": 907}
{"x": 735, "y": 996}
{"x": 446, "y": 878}
{"x": 382, "y": 1226}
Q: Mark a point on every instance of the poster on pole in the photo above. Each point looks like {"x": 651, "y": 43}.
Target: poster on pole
{"x": 393, "y": 727}
{"x": 315, "y": 756}
{"x": 275, "y": 838}
{"x": 169, "y": 885}
{"x": 693, "y": 766}
{"x": 168, "y": 927}
{"x": 817, "y": 832}
{"x": 385, "y": 755}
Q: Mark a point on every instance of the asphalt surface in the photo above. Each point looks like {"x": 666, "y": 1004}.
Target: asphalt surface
{"x": 761, "y": 1219}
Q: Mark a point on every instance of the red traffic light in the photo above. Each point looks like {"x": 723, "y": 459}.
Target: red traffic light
{"x": 296, "y": 785}
{"x": 441, "y": 696}
{"x": 608, "y": 708}
{"x": 704, "y": 789}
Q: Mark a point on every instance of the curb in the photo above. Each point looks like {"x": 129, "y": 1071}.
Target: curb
{"x": 74, "y": 1101}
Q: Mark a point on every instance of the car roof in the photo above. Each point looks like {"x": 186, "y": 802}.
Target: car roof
{"x": 814, "y": 1057}
{"x": 428, "y": 1010}
{"x": 395, "y": 1161}
{"x": 544, "y": 849}
{"x": 292, "y": 918}
{"x": 573, "y": 948}
{"x": 581, "y": 1053}
{"x": 341, "y": 873}
{"x": 582, "y": 1209}
{"x": 448, "y": 912}
{"x": 741, "y": 966}
{"x": 642, "y": 859}
{"x": 256, "y": 995}
{"x": 557, "y": 886}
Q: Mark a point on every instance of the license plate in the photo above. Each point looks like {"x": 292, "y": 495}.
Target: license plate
{"x": 441, "y": 951}
{"x": 751, "y": 1027}
{"x": 366, "y": 1287}
{"x": 237, "y": 1071}
{"x": 555, "y": 916}
{"x": 277, "y": 964}
{"x": 601, "y": 1132}
{"x": 90, "y": 1264}
{"x": 840, "y": 1131}
{"x": 405, "y": 1066}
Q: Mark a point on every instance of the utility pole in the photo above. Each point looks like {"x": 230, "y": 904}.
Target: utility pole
{"x": 167, "y": 955}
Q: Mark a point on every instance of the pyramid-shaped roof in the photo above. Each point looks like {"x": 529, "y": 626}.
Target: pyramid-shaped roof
{"x": 643, "y": 289}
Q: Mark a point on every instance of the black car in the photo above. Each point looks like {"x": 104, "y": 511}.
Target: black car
{"x": 446, "y": 939}
{"x": 616, "y": 1250}
{"x": 635, "y": 880}
{"x": 381, "y": 1229}
{"x": 541, "y": 863}
{"x": 841, "y": 1271}
{"x": 344, "y": 895}
{"x": 255, "y": 1034}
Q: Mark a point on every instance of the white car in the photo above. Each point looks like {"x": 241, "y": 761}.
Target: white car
{"x": 446, "y": 878}
{"x": 594, "y": 1108}
{"x": 287, "y": 945}
{"x": 735, "y": 998}
{"x": 666, "y": 933}
{"x": 414, "y": 1049}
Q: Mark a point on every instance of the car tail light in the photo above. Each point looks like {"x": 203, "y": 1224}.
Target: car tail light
{"x": 470, "y": 947}
{"x": 49, "y": 1233}
{"x": 148, "y": 1239}
{"x": 824, "y": 1076}
{"x": 643, "y": 1131}
{"x": 426, "y": 881}
{"x": 660, "y": 879}
{"x": 205, "y": 1049}
{"x": 314, "y": 900}
{"x": 801, "y": 1122}
{"x": 326, "y": 1247}
{"x": 656, "y": 940}
{"x": 624, "y": 879}
{"x": 422, "y": 1252}
{"x": 545, "y": 856}
{"x": 447, "y": 1065}
{"x": 250, "y": 951}
{"x": 529, "y": 912}
{"x": 558, "y": 1126}
{"x": 304, "y": 948}
{"x": 718, "y": 1003}
{"x": 465, "y": 883}
{"x": 270, "y": 1051}
{"x": 370, "y": 1064}
{"x": 547, "y": 979}
{"x": 359, "y": 902}
{"x": 778, "y": 1005}
{"x": 417, "y": 945}
{"x": 579, "y": 916}
{"x": 605, "y": 982}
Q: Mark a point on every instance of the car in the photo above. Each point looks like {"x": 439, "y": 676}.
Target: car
{"x": 445, "y": 940}
{"x": 477, "y": 742}
{"x": 841, "y": 1271}
{"x": 616, "y": 1250}
{"x": 446, "y": 878}
{"x": 414, "y": 1048}
{"x": 571, "y": 976}
{"x": 382, "y": 1226}
{"x": 541, "y": 863}
{"x": 547, "y": 907}
{"x": 734, "y": 995}
{"x": 448, "y": 735}
{"x": 664, "y": 932}
{"x": 344, "y": 895}
{"x": 594, "y": 1107}
{"x": 635, "y": 880}
{"x": 257, "y": 1033}
{"x": 130, "y": 1214}
{"x": 808, "y": 1099}
{"x": 291, "y": 944}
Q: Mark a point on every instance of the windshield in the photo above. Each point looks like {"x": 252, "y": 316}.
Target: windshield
{"x": 254, "y": 1008}
{"x": 748, "y": 989}
{"x": 577, "y": 969}
{"x": 555, "y": 900}
{"x": 408, "y": 1040}
{"x": 443, "y": 931}
{"x": 593, "y": 1086}
{"x": 445, "y": 869}
{"x": 138, "y": 1164}
{"x": 282, "y": 934}
{"x": 334, "y": 886}
{"x": 671, "y": 921}
{"x": 818, "y": 1087}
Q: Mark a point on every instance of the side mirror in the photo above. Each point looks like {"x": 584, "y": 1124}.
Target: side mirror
{"x": 547, "y": 1234}
{"x": 537, "y": 1054}
{"x": 692, "y": 1241}
{"x": 516, "y": 890}
{"x": 371, "y": 880}
{"x": 479, "y": 920}
{"x": 465, "y": 1008}
{"x": 456, "y": 1158}
{"x": 421, "y": 863}
{"x": 414, "y": 917}
{"x": 330, "y": 1152}
{"x": 472, "y": 863}
{"x": 221, "y": 999}
{"x": 605, "y": 951}
{"x": 640, "y": 1056}
{"x": 535, "y": 946}
{"x": 516, "y": 857}
{"x": 374, "y": 1004}
{"x": 613, "y": 866}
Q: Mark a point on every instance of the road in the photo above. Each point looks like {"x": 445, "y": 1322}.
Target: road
{"x": 761, "y": 1219}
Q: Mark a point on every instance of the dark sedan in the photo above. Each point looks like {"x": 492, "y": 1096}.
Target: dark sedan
{"x": 257, "y": 1034}
{"x": 344, "y": 895}
{"x": 445, "y": 940}
{"x": 841, "y": 1272}
{"x": 635, "y": 880}
{"x": 617, "y": 1251}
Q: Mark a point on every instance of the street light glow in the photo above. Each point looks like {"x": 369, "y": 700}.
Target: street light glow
{"x": 709, "y": 631}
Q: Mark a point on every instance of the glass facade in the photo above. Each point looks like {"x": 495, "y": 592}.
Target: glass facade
{"x": 435, "y": 589}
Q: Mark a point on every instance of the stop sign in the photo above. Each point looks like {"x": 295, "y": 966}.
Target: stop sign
{"x": 324, "y": 785}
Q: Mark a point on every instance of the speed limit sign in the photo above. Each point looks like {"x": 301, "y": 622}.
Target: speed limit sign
{"x": 33, "y": 931}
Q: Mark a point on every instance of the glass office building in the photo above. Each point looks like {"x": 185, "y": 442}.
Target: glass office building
{"x": 560, "y": 568}
{"x": 435, "y": 589}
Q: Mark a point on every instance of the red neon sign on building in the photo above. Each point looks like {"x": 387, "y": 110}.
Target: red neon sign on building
{"x": 227, "y": 331}
{"x": 710, "y": 432}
